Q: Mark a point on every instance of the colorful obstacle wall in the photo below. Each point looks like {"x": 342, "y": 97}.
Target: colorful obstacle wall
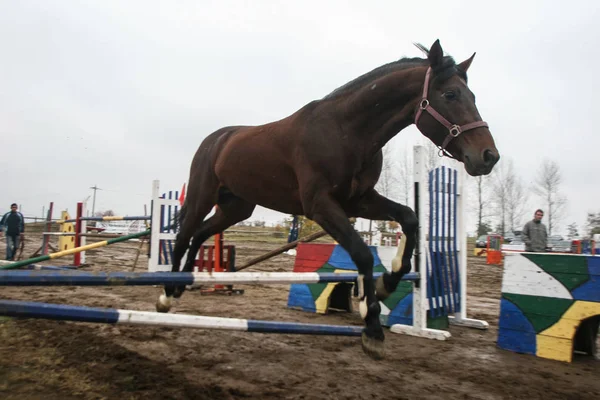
{"x": 324, "y": 258}
{"x": 322, "y": 297}
{"x": 550, "y": 304}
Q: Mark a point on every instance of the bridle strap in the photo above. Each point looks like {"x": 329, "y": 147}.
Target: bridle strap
{"x": 454, "y": 130}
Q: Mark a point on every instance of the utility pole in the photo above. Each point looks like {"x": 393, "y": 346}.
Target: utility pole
{"x": 95, "y": 187}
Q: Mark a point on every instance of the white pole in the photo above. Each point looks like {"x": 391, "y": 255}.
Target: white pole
{"x": 154, "y": 228}
{"x": 460, "y": 318}
{"x": 420, "y": 302}
{"x": 462, "y": 242}
{"x": 420, "y": 292}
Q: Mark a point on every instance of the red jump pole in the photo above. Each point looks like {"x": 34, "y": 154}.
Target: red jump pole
{"x": 218, "y": 256}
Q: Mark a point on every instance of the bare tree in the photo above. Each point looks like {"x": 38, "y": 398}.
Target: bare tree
{"x": 517, "y": 198}
{"x": 573, "y": 232}
{"x": 433, "y": 155}
{"x": 500, "y": 196}
{"x": 593, "y": 223}
{"x": 105, "y": 213}
{"x": 510, "y": 197}
{"x": 483, "y": 203}
{"x": 405, "y": 176}
{"x": 387, "y": 184}
{"x": 547, "y": 186}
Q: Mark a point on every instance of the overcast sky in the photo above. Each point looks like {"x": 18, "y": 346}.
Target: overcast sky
{"x": 118, "y": 93}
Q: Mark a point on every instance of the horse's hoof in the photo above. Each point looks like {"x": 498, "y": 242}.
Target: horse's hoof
{"x": 373, "y": 347}
{"x": 178, "y": 292}
{"x": 380, "y": 291}
{"x": 163, "y": 304}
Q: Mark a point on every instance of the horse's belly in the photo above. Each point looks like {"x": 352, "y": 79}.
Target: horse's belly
{"x": 279, "y": 197}
{"x": 272, "y": 187}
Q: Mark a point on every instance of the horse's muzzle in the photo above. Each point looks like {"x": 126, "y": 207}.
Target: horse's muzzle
{"x": 481, "y": 164}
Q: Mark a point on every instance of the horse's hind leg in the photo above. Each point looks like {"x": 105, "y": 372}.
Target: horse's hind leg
{"x": 192, "y": 217}
{"x": 231, "y": 210}
{"x": 325, "y": 211}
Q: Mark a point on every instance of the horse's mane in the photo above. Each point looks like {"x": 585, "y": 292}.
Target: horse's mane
{"x": 443, "y": 72}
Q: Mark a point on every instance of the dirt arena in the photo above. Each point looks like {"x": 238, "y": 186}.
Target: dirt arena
{"x": 63, "y": 360}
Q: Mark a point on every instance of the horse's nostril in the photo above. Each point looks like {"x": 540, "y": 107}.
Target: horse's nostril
{"x": 489, "y": 157}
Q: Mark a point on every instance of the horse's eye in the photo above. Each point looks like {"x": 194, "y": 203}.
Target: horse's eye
{"x": 450, "y": 95}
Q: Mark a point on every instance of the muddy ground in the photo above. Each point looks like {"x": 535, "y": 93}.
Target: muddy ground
{"x": 63, "y": 360}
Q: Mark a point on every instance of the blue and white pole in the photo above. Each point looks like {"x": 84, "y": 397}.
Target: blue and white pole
{"x": 14, "y": 308}
{"x": 80, "y": 278}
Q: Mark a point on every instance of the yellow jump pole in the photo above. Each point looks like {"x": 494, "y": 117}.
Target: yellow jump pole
{"x": 75, "y": 250}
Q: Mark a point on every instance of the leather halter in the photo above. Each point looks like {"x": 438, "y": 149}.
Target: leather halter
{"x": 454, "y": 130}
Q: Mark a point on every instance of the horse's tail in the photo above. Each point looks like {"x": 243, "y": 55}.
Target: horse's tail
{"x": 179, "y": 217}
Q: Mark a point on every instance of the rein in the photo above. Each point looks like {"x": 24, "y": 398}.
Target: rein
{"x": 454, "y": 130}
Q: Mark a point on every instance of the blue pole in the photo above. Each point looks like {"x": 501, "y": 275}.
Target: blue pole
{"x": 79, "y": 278}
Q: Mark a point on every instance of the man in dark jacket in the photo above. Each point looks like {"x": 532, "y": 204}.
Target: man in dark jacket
{"x": 535, "y": 234}
{"x": 13, "y": 224}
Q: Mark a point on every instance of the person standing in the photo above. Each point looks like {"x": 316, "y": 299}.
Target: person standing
{"x": 13, "y": 224}
{"x": 535, "y": 234}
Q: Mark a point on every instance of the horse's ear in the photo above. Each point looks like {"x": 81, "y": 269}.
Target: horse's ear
{"x": 467, "y": 63}
{"x": 436, "y": 54}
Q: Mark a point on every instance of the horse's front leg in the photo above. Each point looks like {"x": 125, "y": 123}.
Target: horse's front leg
{"x": 328, "y": 213}
{"x": 376, "y": 207}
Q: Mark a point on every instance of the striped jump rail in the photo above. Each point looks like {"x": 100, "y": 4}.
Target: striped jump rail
{"x": 25, "y": 309}
{"x": 107, "y": 218}
{"x": 79, "y": 278}
{"x": 63, "y": 253}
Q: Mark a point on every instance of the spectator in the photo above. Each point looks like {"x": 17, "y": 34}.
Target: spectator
{"x": 535, "y": 234}
{"x": 13, "y": 224}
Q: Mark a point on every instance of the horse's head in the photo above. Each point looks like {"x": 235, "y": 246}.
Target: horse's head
{"x": 447, "y": 114}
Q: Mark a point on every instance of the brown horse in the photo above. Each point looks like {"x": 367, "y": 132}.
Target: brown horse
{"x": 324, "y": 160}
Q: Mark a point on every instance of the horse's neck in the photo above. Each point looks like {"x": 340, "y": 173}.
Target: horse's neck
{"x": 381, "y": 109}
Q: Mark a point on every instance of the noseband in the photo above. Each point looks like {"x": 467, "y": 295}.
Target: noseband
{"x": 454, "y": 130}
